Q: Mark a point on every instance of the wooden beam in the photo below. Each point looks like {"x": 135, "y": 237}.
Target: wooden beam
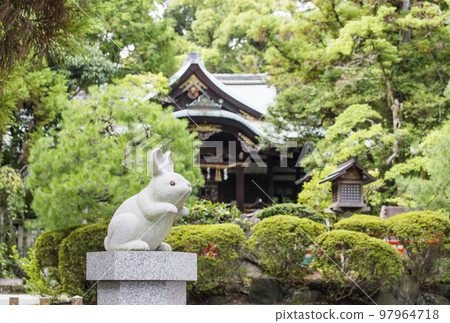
{"x": 240, "y": 187}
{"x": 270, "y": 177}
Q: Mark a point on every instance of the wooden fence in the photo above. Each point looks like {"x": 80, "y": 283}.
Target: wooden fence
{"x": 22, "y": 237}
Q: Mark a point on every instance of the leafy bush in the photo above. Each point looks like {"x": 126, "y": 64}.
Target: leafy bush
{"x": 219, "y": 248}
{"x": 41, "y": 265}
{"x": 36, "y": 281}
{"x": 72, "y": 257}
{"x": 47, "y": 245}
{"x": 12, "y": 201}
{"x": 314, "y": 194}
{"x": 425, "y": 236}
{"x": 206, "y": 212}
{"x": 280, "y": 242}
{"x": 350, "y": 259}
{"x": 298, "y": 210}
{"x": 372, "y": 225}
{"x": 8, "y": 267}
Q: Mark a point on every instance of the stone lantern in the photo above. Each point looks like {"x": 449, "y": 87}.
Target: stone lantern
{"x": 347, "y": 188}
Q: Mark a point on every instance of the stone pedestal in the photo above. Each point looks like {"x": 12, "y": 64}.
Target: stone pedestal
{"x": 141, "y": 277}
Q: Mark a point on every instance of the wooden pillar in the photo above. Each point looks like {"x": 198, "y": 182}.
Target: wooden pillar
{"x": 30, "y": 237}
{"x": 270, "y": 177}
{"x": 240, "y": 187}
{"x": 44, "y": 300}
{"x": 298, "y": 174}
{"x": 12, "y": 233}
{"x": 20, "y": 239}
{"x": 77, "y": 300}
{"x": 14, "y": 300}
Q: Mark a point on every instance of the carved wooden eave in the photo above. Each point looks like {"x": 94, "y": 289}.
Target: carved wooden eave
{"x": 204, "y": 102}
{"x": 193, "y": 78}
{"x": 229, "y": 122}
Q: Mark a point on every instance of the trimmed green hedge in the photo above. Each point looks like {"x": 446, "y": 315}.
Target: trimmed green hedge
{"x": 214, "y": 270}
{"x": 371, "y": 225}
{"x": 425, "y": 236}
{"x": 219, "y": 248}
{"x": 280, "y": 243}
{"x": 298, "y": 210}
{"x": 47, "y": 245}
{"x": 72, "y": 257}
{"x": 347, "y": 258}
{"x": 419, "y": 225}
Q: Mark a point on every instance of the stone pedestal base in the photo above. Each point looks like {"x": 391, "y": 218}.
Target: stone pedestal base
{"x": 141, "y": 277}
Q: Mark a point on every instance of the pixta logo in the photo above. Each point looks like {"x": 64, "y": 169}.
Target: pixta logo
{"x": 139, "y": 148}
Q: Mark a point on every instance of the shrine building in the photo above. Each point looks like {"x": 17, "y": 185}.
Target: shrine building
{"x": 227, "y": 111}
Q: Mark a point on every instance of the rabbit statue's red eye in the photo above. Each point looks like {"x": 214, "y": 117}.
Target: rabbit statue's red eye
{"x": 172, "y": 183}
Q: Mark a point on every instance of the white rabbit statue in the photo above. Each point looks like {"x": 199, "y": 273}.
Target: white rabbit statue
{"x": 143, "y": 221}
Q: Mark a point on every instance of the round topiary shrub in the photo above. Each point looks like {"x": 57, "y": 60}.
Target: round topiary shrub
{"x": 354, "y": 264}
{"x": 206, "y": 212}
{"x": 47, "y": 244}
{"x": 219, "y": 248}
{"x": 425, "y": 235}
{"x": 280, "y": 243}
{"x": 371, "y": 225}
{"x": 72, "y": 257}
{"x": 298, "y": 210}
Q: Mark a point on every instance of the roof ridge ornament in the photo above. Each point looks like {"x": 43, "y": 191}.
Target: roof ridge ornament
{"x": 204, "y": 101}
{"x": 193, "y": 58}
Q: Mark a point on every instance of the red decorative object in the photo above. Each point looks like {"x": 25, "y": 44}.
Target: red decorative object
{"x": 209, "y": 251}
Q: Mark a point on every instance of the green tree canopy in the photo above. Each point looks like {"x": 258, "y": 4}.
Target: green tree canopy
{"x": 363, "y": 78}
{"x": 38, "y": 28}
{"x": 34, "y": 99}
{"x": 223, "y": 31}
{"x": 84, "y": 169}
{"x": 84, "y": 69}
{"x": 423, "y": 179}
{"x": 133, "y": 37}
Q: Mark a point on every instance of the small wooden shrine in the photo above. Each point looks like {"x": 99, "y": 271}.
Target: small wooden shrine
{"x": 347, "y": 187}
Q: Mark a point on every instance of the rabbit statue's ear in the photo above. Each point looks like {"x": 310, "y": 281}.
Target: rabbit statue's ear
{"x": 167, "y": 164}
{"x": 156, "y": 159}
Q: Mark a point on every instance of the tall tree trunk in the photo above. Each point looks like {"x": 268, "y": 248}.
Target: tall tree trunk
{"x": 2, "y": 225}
{"x": 396, "y": 109}
{"x": 397, "y": 124}
{"x": 406, "y": 34}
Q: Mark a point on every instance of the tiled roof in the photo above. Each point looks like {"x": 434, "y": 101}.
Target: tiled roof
{"x": 253, "y": 90}
{"x": 343, "y": 167}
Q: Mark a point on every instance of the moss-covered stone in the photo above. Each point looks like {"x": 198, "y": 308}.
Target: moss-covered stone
{"x": 264, "y": 290}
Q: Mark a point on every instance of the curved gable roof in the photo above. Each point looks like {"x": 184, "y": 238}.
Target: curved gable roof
{"x": 248, "y": 92}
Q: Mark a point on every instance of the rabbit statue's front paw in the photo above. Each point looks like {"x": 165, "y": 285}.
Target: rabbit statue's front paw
{"x": 183, "y": 212}
{"x": 164, "y": 247}
{"x": 172, "y": 209}
{"x": 138, "y": 245}
{"x": 134, "y": 245}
